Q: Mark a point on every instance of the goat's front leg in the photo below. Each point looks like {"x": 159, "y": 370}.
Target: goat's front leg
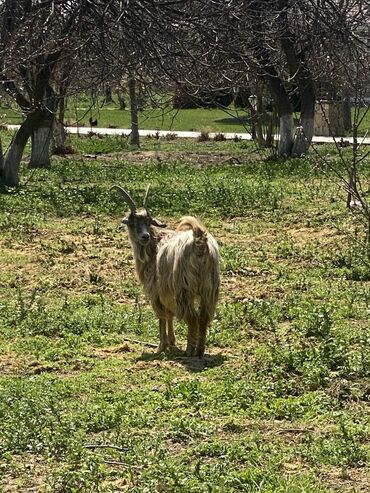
{"x": 171, "y": 332}
{"x": 163, "y": 339}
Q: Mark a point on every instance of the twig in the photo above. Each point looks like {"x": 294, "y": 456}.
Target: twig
{"x": 293, "y": 430}
{"x": 105, "y": 445}
{"x": 135, "y": 341}
{"x": 123, "y": 464}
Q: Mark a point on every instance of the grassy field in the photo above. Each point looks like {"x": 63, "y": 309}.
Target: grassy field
{"x": 281, "y": 402}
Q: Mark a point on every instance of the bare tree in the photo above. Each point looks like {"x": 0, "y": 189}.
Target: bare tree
{"x": 347, "y": 54}
{"x": 37, "y": 38}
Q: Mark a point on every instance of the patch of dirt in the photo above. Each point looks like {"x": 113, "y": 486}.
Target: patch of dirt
{"x": 79, "y": 262}
{"x": 201, "y": 158}
{"x": 15, "y": 365}
{"x": 303, "y": 236}
{"x": 349, "y": 480}
{"x": 10, "y": 364}
{"x": 116, "y": 351}
{"x": 27, "y": 475}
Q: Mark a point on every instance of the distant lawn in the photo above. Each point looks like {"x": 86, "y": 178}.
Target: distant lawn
{"x": 213, "y": 120}
{"x": 199, "y": 119}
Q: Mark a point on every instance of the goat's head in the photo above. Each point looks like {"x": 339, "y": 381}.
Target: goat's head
{"x": 138, "y": 221}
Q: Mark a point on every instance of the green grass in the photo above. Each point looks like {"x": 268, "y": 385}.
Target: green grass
{"x": 280, "y": 402}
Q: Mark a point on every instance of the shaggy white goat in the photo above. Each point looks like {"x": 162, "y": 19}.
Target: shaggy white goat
{"x": 179, "y": 270}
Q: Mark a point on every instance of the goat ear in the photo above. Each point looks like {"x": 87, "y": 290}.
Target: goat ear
{"x": 158, "y": 223}
{"x": 124, "y": 221}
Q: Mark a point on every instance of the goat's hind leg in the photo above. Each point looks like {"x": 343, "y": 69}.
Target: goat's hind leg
{"x": 187, "y": 312}
{"x": 204, "y": 320}
{"x": 192, "y": 322}
{"x": 163, "y": 338}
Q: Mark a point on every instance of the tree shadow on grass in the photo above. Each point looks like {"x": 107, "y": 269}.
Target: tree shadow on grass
{"x": 235, "y": 120}
{"x": 191, "y": 364}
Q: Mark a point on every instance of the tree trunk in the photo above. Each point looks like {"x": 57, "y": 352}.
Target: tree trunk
{"x": 286, "y": 139}
{"x": 282, "y": 102}
{"x": 59, "y": 134}
{"x": 59, "y": 137}
{"x": 1, "y": 155}
{"x": 12, "y": 160}
{"x": 40, "y": 155}
{"x": 283, "y": 105}
{"x": 303, "y": 138}
{"x": 121, "y": 100}
{"x": 108, "y": 93}
{"x": 347, "y": 116}
{"x": 304, "y": 134}
{"x": 135, "y": 139}
{"x": 299, "y": 71}
{"x": 42, "y": 136}
{"x": 259, "y": 116}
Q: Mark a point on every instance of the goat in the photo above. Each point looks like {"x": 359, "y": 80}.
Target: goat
{"x": 179, "y": 270}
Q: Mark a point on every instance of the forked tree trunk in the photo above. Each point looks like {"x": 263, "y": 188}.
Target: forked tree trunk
{"x": 12, "y": 159}
{"x": 284, "y": 110}
{"x": 282, "y": 102}
{"x": 135, "y": 139}
{"x": 299, "y": 71}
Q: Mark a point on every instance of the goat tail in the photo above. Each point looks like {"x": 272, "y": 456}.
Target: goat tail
{"x": 199, "y": 231}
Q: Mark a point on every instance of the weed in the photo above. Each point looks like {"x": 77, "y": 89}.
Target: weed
{"x": 219, "y": 137}
{"x": 203, "y": 136}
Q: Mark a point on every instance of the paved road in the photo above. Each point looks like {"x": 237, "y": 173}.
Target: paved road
{"x": 187, "y": 135}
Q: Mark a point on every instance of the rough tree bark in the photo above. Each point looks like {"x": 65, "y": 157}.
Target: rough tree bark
{"x": 42, "y": 136}
{"x": 346, "y": 109}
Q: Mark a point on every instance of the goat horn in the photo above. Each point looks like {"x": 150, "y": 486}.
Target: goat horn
{"x": 146, "y": 196}
{"x": 126, "y": 197}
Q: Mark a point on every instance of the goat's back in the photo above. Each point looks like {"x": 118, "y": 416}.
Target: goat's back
{"x": 188, "y": 265}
